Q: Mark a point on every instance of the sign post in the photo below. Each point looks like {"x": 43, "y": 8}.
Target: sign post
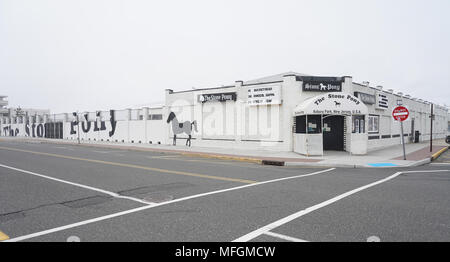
{"x": 401, "y": 113}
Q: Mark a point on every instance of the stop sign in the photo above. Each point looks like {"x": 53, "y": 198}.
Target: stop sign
{"x": 400, "y": 113}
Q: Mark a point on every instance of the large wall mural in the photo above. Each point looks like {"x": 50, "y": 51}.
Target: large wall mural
{"x": 179, "y": 128}
{"x": 47, "y": 130}
{"x": 86, "y": 125}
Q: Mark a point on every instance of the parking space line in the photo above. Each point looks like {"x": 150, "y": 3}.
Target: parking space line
{"x": 284, "y": 237}
{"x": 173, "y": 172}
{"x": 90, "y": 221}
{"x": 308, "y": 210}
{"x": 79, "y": 185}
{"x": 3, "y": 236}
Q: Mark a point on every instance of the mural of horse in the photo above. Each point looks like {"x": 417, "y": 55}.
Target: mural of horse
{"x": 179, "y": 128}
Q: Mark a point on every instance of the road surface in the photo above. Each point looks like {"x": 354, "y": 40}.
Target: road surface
{"x": 54, "y": 192}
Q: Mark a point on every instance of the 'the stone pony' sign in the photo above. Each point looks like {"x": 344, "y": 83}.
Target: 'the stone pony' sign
{"x": 332, "y": 104}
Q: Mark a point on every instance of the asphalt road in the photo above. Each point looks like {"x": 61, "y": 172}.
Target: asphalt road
{"x": 53, "y": 192}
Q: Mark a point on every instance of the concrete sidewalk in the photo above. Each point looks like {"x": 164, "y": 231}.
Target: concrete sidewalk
{"x": 417, "y": 154}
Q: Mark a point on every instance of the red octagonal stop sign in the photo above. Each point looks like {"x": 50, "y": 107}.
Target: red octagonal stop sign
{"x": 400, "y": 113}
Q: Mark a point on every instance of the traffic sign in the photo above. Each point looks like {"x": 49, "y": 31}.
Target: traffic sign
{"x": 400, "y": 113}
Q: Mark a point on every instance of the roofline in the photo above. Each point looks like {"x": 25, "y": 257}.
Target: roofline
{"x": 201, "y": 89}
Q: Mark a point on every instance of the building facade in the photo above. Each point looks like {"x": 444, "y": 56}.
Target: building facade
{"x": 287, "y": 112}
{"x": 3, "y": 106}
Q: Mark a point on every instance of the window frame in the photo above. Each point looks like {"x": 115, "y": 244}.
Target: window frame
{"x": 369, "y": 130}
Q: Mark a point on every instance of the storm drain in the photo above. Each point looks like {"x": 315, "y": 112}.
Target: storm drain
{"x": 272, "y": 163}
{"x": 85, "y": 202}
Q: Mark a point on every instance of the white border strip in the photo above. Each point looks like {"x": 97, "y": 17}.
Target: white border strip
{"x": 79, "y": 185}
{"x": 49, "y": 231}
{"x": 271, "y": 226}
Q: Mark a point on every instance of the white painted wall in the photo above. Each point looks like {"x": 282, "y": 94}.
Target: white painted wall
{"x": 238, "y": 125}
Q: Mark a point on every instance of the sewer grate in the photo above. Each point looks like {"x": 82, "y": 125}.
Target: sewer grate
{"x": 272, "y": 163}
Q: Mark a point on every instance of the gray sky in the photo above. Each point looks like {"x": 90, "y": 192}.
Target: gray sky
{"x": 91, "y": 54}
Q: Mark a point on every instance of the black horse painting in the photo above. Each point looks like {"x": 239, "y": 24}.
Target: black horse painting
{"x": 179, "y": 128}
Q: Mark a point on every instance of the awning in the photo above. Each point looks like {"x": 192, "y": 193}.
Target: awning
{"x": 332, "y": 104}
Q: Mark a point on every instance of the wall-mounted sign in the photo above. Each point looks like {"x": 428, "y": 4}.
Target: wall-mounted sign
{"x": 268, "y": 95}
{"x": 218, "y": 97}
{"x": 382, "y": 101}
{"x": 322, "y": 84}
{"x": 332, "y": 104}
{"x": 366, "y": 98}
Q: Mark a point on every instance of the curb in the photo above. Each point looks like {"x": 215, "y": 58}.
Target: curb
{"x": 241, "y": 159}
{"x": 420, "y": 162}
{"x": 437, "y": 154}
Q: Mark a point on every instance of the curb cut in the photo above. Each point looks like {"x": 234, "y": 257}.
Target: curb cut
{"x": 420, "y": 162}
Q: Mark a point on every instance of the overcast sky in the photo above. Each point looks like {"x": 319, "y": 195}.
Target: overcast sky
{"x": 91, "y": 54}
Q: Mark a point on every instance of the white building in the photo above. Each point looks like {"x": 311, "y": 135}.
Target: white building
{"x": 304, "y": 114}
{"x": 285, "y": 112}
{"x": 3, "y": 106}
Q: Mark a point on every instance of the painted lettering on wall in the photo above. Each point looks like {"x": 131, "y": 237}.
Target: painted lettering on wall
{"x": 98, "y": 124}
{"x": 10, "y": 131}
{"x": 47, "y": 130}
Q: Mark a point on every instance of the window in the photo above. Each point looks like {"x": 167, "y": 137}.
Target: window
{"x": 358, "y": 124}
{"x": 156, "y": 117}
{"x": 374, "y": 122}
{"x": 300, "y": 124}
{"x": 314, "y": 124}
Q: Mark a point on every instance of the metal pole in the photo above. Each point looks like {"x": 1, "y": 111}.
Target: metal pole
{"x": 54, "y": 126}
{"x": 431, "y": 129}
{"x": 403, "y": 140}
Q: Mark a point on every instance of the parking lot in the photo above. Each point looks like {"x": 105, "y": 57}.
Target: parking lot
{"x": 56, "y": 192}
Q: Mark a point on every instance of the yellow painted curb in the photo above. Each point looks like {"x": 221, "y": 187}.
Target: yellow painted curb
{"x": 242, "y": 159}
{"x": 3, "y": 236}
{"x": 437, "y": 154}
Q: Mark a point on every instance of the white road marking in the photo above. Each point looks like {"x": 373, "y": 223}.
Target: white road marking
{"x": 57, "y": 229}
{"x": 103, "y": 152}
{"x": 162, "y": 157}
{"x": 79, "y": 185}
{"x": 425, "y": 171}
{"x": 308, "y": 210}
{"x": 267, "y": 228}
{"x": 284, "y": 237}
